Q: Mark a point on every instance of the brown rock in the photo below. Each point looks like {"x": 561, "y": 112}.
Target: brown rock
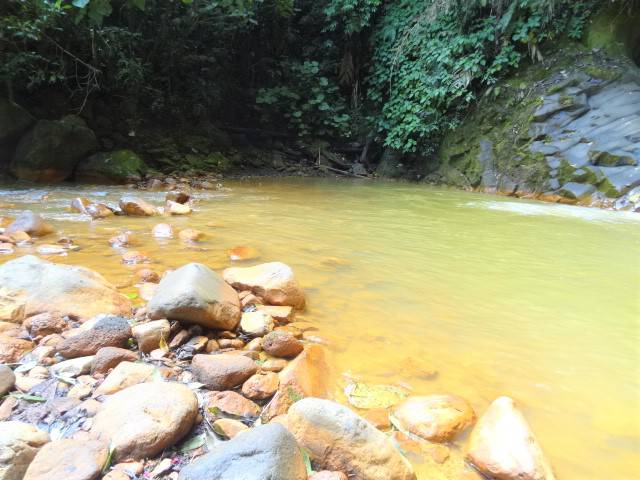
{"x": 45, "y": 324}
{"x": 261, "y": 386}
{"x": 178, "y": 196}
{"x": 69, "y": 459}
{"x": 281, "y": 314}
{"x": 274, "y": 365}
{"x": 108, "y": 331}
{"x": 124, "y": 375}
{"x": 124, "y": 239}
{"x": 230, "y": 343}
{"x": 12, "y": 349}
{"x": 147, "y": 275}
{"x": 378, "y": 417}
{"x": 255, "y": 344}
{"x": 12, "y": 305}
{"x": 502, "y": 445}
{"x": 142, "y": 420}
{"x": 20, "y": 237}
{"x": 19, "y": 444}
{"x": 232, "y": 403}
{"x": 229, "y": 427}
{"x": 98, "y": 210}
{"x": 437, "y": 418}
{"x": 136, "y": 207}
{"x": 162, "y": 230}
{"x": 190, "y": 235}
{"x": 7, "y": 379}
{"x": 149, "y": 334}
{"x": 239, "y": 254}
{"x": 180, "y": 339}
{"x": 30, "y": 223}
{"x": 212, "y": 346}
{"x": 222, "y": 372}
{"x": 283, "y": 344}
{"x": 135, "y": 258}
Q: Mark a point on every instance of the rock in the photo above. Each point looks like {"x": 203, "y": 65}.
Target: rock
{"x": 116, "y": 475}
{"x": 108, "y": 331}
{"x": 281, "y": 343}
{"x": 12, "y": 349}
{"x": 146, "y": 275}
{"x": 6, "y": 248}
{"x": 264, "y": 452}
{"x": 149, "y": 335}
{"x": 261, "y": 386}
{"x": 232, "y": 403}
{"x": 178, "y": 196}
{"x": 135, "y": 258}
{"x": 338, "y": 439}
{"x": 48, "y": 249}
{"x": 30, "y": 223}
{"x": 51, "y": 149}
{"x": 136, "y": 207}
{"x": 328, "y": 475}
{"x": 281, "y": 314}
{"x": 19, "y": 444}
{"x": 577, "y": 191}
{"x": 190, "y": 235}
{"x": 224, "y": 371}
{"x": 274, "y": 365}
{"x": 21, "y": 238}
{"x": 229, "y": 427}
{"x": 68, "y": 290}
{"x": 146, "y": 291}
{"x": 142, "y": 420}
{"x": 12, "y": 305}
{"x": 124, "y": 239}
{"x": 239, "y": 254}
{"x": 45, "y": 324}
{"x": 196, "y": 294}
{"x": 502, "y": 445}
{"x": 7, "y": 380}
{"x": 378, "y": 417}
{"x": 73, "y": 368}
{"x": 437, "y": 418}
{"x": 274, "y": 282}
{"x": 87, "y": 207}
{"x": 69, "y": 459}
{"x": 306, "y": 376}
{"x": 175, "y": 208}
{"x": 257, "y": 323}
{"x": 124, "y": 375}
{"x": 120, "y": 166}
{"x": 162, "y": 230}
{"x": 14, "y": 121}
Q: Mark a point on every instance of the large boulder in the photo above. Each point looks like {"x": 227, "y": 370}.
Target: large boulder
{"x": 69, "y": 290}
{"x": 196, "y": 294}
{"x": 120, "y": 166}
{"x": 273, "y": 282}
{"x": 30, "y": 223}
{"x": 14, "y": 121}
{"x": 338, "y": 439}
{"x": 142, "y": 420}
{"x": 264, "y": 452}
{"x": 19, "y": 443}
{"x": 70, "y": 459}
{"x": 223, "y": 371}
{"x": 502, "y": 445}
{"x": 51, "y": 149}
{"x": 108, "y": 331}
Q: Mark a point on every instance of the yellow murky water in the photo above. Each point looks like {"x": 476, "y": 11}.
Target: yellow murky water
{"x": 501, "y": 296}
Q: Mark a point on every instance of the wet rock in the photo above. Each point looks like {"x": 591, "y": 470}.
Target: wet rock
{"x": 6, "y": 248}
{"x": 264, "y": 452}
{"x": 212, "y": 346}
{"x": 147, "y": 275}
{"x": 274, "y": 282}
{"x": 281, "y": 343}
{"x": 502, "y": 445}
{"x": 175, "y": 208}
{"x": 232, "y": 403}
{"x": 337, "y": 439}
{"x": 257, "y": 323}
{"x": 274, "y": 365}
{"x": 577, "y": 191}
{"x": 149, "y": 335}
{"x": 109, "y": 357}
{"x": 261, "y": 386}
{"x": 196, "y": 294}
{"x": 162, "y": 230}
{"x": 73, "y": 368}
{"x": 135, "y": 258}
{"x": 69, "y": 459}
{"x": 108, "y": 331}
{"x": 68, "y": 290}
{"x": 7, "y": 379}
{"x": 142, "y": 420}
{"x": 87, "y": 207}
{"x": 239, "y": 254}
{"x": 229, "y": 427}
{"x": 281, "y": 314}
{"x": 30, "y": 223}
{"x": 118, "y": 167}
{"x": 124, "y": 375}
{"x": 224, "y": 371}
{"x": 306, "y": 376}
{"x": 178, "y": 196}
{"x": 190, "y": 235}
{"x": 437, "y": 418}
{"x": 51, "y": 149}
{"x": 12, "y": 349}
{"x": 49, "y": 249}
{"x": 21, "y": 238}
{"x": 328, "y": 475}
{"x": 19, "y": 444}
{"x": 136, "y": 207}
{"x": 12, "y": 305}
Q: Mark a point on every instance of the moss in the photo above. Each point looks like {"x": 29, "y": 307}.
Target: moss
{"x": 615, "y": 29}
{"x": 565, "y": 172}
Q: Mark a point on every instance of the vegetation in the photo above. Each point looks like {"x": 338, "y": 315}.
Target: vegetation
{"x": 400, "y": 71}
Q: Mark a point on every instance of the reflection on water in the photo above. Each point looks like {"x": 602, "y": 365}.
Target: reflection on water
{"x": 499, "y": 296}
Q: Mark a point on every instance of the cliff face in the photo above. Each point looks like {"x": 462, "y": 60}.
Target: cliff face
{"x": 566, "y": 129}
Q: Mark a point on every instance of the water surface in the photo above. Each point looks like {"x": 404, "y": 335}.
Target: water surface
{"x": 500, "y": 296}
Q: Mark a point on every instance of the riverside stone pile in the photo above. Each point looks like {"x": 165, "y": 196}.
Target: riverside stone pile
{"x": 211, "y": 379}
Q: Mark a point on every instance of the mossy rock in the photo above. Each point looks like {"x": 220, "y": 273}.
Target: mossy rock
{"x": 119, "y": 166}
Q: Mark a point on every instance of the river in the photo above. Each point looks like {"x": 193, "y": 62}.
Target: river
{"x": 500, "y": 296}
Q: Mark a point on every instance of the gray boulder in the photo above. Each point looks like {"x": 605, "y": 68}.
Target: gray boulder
{"x": 51, "y": 149}
{"x": 120, "y": 166}
{"x": 196, "y": 294}
{"x": 267, "y": 452}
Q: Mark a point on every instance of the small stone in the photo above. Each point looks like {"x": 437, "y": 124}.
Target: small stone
{"x": 109, "y": 357}
{"x": 257, "y": 323}
{"x": 108, "y": 331}
{"x": 73, "y": 368}
{"x": 283, "y": 344}
{"x": 131, "y": 468}
{"x": 255, "y": 345}
{"x": 163, "y": 467}
{"x": 232, "y": 403}
{"x": 146, "y": 275}
{"x": 190, "y": 235}
{"x": 229, "y": 427}
{"x": 19, "y": 444}
{"x": 135, "y": 258}
{"x": 20, "y": 237}
{"x": 274, "y": 365}
{"x": 45, "y": 324}
{"x": 222, "y": 372}
{"x": 48, "y": 249}
{"x": 136, "y": 207}
{"x": 124, "y": 239}
{"x": 69, "y": 459}
{"x": 7, "y": 379}
{"x": 175, "y": 208}
{"x": 280, "y": 313}
{"x": 261, "y": 386}
{"x": 197, "y": 344}
{"x": 212, "y": 346}
{"x": 162, "y": 230}
{"x": 149, "y": 335}
{"x": 178, "y": 196}
{"x": 12, "y": 349}
{"x": 179, "y": 339}
{"x": 124, "y": 375}
{"x": 238, "y": 254}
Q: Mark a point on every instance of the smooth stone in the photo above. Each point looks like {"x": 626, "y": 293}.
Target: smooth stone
{"x": 125, "y": 374}
{"x": 135, "y": 257}
{"x": 282, "y": 344}
{"x": 69, "y": 459}
{"x": 12, "y": 349}
{"x": 280, "y": 313}
{"x": 136, "y": 207}
{"x": 162, "y": 230}
{"x": 190, "y": 235}
{"x": 328, "y": 475}
{"x": 229, "y": 427}
{"x": 142, "y": 420}
{"x": 223, "y": 371}
{"x": 264, "y": 452}
{"x": 73, "y": 368}
{"x": 45, "y": 324}
{"x": 30, "y": 223}
{"x": 232, "y": 403}
{"x": 339, "y": 440}
{"x": 108, "y": 331}
{"x": 257, "y": 323}
{"x": 146, "y": 275}
{"x": 12, "y": 305}
{"x": 175, "y": 208}
{"x": 7, "y": 379}
{"x": 261, "y": 386}
{"x": 178, "y": 196}
{"x": 196, "y": 294}
{"x": 19, "y": 444}
{"x": 150, "y": 334}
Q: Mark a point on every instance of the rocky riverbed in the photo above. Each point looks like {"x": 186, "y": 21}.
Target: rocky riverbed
{"x": 205, "y": 375}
